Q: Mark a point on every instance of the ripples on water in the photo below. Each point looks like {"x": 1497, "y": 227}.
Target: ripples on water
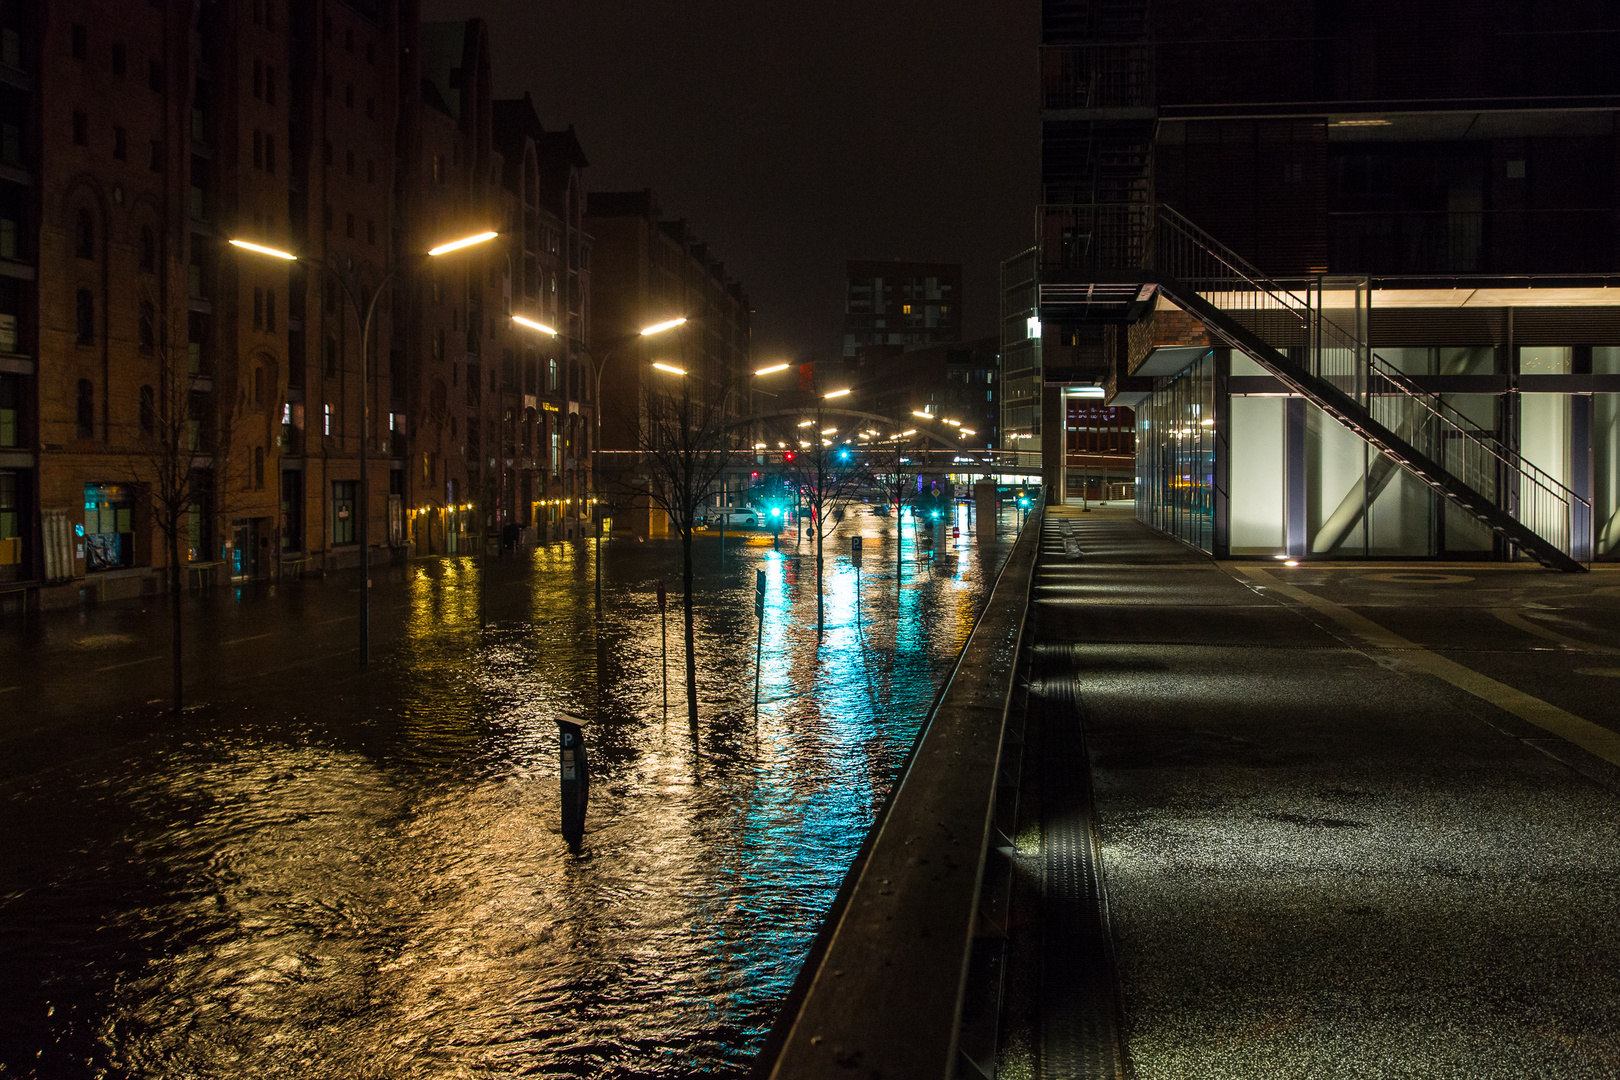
{"x": 364, "y": 879}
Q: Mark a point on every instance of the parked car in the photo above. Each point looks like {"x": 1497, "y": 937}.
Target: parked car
{"x": 735, "y": 517}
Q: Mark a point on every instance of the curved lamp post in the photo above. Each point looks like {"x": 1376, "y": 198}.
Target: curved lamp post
{"x": 391, "y": 268}
{"x": 597, "y": 367}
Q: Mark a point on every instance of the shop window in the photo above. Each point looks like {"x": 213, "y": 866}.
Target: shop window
{"x": 10, "y": 525}
{"x": 343, "y": 511}
{"x": 109, "y": 526}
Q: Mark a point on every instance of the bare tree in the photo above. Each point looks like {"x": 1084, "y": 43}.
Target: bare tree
{"x": 891, "y": 467}
{"x": 180, "y": 458}
{"x": 685, "y": 441}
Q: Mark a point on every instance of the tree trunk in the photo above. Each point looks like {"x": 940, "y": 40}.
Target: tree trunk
{"x": 691, "y": 653}
{"x": 176, "y": 636}
{"x": 821, "y": 600}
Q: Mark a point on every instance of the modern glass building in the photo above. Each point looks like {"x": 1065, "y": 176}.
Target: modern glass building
{"x": 1365, "y": 303}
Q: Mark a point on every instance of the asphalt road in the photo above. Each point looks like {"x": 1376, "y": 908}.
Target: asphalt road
{"x": 1356, "y": 820}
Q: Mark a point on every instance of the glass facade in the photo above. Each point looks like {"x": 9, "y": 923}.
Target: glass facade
{"x": 1175, "y": 457}
{"x": 1301, "y": 484}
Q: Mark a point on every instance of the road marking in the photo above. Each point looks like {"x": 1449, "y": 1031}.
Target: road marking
{"x": 1588, "y": 736}
{"x": 341, "y": 618}
{"x": 8, "y": 689}
{"x": 1519, "y": 622}
{"x": 238, "y": 641}
{"x": 128, "y": 663}
{"x": 1414, "y": 578}
{"x": 1605, "y": 672}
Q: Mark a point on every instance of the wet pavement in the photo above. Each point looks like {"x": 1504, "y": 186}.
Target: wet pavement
{"x": 1341, "y": 832}
{"x": 318, "y": 872}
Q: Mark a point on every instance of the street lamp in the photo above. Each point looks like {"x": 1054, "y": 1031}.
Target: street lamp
{"x": 597, "y": 368}
{"x": 392, "y": 267}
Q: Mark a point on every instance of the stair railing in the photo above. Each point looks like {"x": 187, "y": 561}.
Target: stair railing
{"x": 1288, "y": 322}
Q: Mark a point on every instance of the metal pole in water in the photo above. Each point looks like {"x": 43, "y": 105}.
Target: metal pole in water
{"x": 759, "y": 633}
{"x": 663, "y": 620}
{"x": 575, "y": 778}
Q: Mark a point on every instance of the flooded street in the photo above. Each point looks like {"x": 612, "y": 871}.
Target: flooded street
{"x": 321, "y": 873}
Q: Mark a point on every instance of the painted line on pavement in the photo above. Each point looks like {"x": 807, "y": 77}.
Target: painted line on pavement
{"x": 341, "y": 618}
{"x": 128, "y": 663}
{"x": 1591, "y": 737}
{"x": 8, "y": 689}
{"x": 1519, "y": 622}
{"x": 238, "y": 641}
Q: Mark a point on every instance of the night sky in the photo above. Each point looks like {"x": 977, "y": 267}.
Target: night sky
{"x": 793, "y": 136}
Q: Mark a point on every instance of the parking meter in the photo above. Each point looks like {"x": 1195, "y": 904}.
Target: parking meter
{"x": 576, "y": 779}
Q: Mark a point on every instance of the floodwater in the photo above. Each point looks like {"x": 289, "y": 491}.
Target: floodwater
{"x": 319, "y": 874}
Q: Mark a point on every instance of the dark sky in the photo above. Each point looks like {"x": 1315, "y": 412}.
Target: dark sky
{"x": 795, "y": 135}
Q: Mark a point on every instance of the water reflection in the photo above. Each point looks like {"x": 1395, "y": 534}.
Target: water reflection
{"x": 358, "y": 877}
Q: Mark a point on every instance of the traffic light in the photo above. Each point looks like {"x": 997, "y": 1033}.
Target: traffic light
{"x": 788, "y": 456}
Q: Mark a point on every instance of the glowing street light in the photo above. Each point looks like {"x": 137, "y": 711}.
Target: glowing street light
{"x": 464, "y": 242}
{"x": 806, "y": 423}
{"x": 924, "y": 415}
{"x": 532, "y": 325}
{"x": 672, "y": 369}
{"x": 667, "y": 324}
{"x": 838, "y": 393}
{"x": 772, "y": 369}
{"x": 829, "y": 431}
{"x": 369, "y": 310}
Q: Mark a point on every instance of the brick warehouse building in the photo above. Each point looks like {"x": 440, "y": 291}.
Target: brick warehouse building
{"x": 1354, "y": 265}
{"x": 137, "y": 139}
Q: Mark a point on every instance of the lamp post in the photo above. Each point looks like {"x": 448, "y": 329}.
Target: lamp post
{"x": 597, "y": 368}
{"x": 391, "y": 268}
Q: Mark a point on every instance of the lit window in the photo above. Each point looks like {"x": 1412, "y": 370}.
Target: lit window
{"x": 326, "y": 411}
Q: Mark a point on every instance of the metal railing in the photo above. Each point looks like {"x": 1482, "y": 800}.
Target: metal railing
{"x": 1288, "y": 321}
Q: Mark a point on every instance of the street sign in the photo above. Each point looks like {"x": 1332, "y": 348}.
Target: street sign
{"x": 956, "y": 532}
{"x": 661, "y": 594}
{"x": 576, "y": 779}
{"x": 855, "y": 551}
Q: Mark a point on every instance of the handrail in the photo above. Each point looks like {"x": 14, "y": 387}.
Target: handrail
{"x": 1183, "y": 251}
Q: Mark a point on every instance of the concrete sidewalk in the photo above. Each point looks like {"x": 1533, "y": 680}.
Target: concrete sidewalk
{"x": 1337, "y": 838}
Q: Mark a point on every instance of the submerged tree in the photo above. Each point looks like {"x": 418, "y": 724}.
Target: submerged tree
{"x": 180, "y": 458}
{"x": 826, "y": 472}
{"x": 685, "y": 441}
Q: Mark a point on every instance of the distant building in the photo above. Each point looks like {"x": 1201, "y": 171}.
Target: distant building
{"x": 648, "y": 269}
{"x": 901, "y": 303}
{"x": 952, "y": 382}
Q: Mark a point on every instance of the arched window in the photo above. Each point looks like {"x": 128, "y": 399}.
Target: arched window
{"x": 85, "y": 317}
{"x": 87, "y": 409}
{"x": 148, "y": 250}
{"x": 85, "y": 236}
{"x": 148, "y": 410}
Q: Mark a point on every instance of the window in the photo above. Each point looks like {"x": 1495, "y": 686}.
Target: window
{"x": 81, "y": 128}
{"x": 157, "y": 156}
{"x": 269, "y": 153}
{"x": 148, "y": 410}
{"x": 148, "y": 250}
{"x": 258, "y": 149}
{"x": 348, "y": 225}
{"x": 371, "y": 231}
{"x": 371, "y": 108}
{"x": 330, "y": 357}
{"x": 84, "y": 236}
{"x": 109, "y": 526}
{"x": 551, "y": 377}
{"x": 148, "y": 326}
{"x": 118, "y": 58}
{"x": 270, "y": 310}
{"x": 343, "y": 502}
{"x": 10, "y": 410}
{"x": 326, "y": 419}
{"x": 348, "y": 40}
{"x": 86, "y": 409}
{"x": 154, "y": 75}
{"x": 371, "y": 170}
{"x": 371, "y": 52}
{"x": 348, "y": 162}
{"x": 258, "y": 79}
{"x": 348, "y": 95}
{"x": 327, "y": 217}
{"x": 258, "y": 309}
{"x": 80, "y": 39}
{"x": 326, "y": 153}
{"x": 85, "y": 318}
{"x": 270, "y": 85}
{"x": 120, "y": 144}
{"x": 258, "y": 468}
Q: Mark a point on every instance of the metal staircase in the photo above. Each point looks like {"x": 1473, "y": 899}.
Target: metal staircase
{"x": 1281, "y": 330}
